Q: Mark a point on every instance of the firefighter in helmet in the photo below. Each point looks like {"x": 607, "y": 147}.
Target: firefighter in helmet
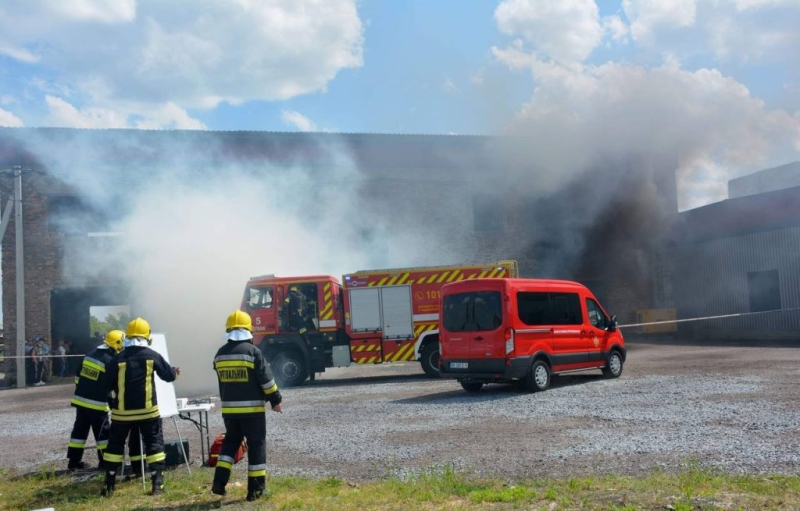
{"x": 132, "y": 376}
{"x": 296, "y": 307}
{"x": 245, "y": 384}
{"x": 91, "y": 400}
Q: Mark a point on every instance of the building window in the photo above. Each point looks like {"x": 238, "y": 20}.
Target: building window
{"x": 488, "y": 212}
{"x": 765, "y": 290}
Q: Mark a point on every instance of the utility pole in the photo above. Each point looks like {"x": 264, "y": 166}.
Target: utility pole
{"x": 20, "y": 255}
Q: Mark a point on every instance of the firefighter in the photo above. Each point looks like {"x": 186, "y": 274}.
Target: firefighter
{"x": 91, "y": 401}
{"x": 296, "y": 307}
{"x": 245, "y": 384}
{"x": 135, "y": 403}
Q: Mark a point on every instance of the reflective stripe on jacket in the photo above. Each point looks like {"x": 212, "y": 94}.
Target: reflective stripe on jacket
{"x": 91, "y": 380}
{"x": 245, "y": 380}
{"x": 132, "y": 376}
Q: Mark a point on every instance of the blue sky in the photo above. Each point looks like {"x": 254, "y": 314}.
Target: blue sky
{"x": 711, "y": 84}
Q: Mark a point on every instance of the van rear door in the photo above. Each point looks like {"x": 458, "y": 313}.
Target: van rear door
{"x": 473, "y": 321}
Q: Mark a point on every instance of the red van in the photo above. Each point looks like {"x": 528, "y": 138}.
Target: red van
{"x": 524, "y": 330}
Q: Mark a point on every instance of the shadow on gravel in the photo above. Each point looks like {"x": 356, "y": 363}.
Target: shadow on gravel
{"x": 490, "y": 393}
{"x": 495, "y": 391}
{"x": 361, "y": 380}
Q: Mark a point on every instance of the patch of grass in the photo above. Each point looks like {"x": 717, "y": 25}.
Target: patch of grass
{"x": 437, "y": 488}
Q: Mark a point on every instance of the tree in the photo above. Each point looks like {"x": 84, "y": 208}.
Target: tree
{"x": 112, "y": 322}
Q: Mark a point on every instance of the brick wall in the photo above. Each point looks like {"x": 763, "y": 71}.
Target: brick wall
{"x": 42, "y": 270}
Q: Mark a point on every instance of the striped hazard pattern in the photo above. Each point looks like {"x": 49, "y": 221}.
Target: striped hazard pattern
{"x": 326, "y": 311}
{"x": 368, "y": 353}
{"x": 441, "y": 277}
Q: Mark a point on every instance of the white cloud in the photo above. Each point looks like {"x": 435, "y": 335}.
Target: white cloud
{"x": 7, "y": 119}
{"x": 298, "y": 121}
{"x": 744, "y": 5}
{"x": 565, "y": 31}
{"x": 741, "y": 30}
{"x": 166, "y": 116}
{"x": 63, "y": 114}
{"x": 17, "y": 53}
{"x": 684, "y": 121}
{"x": 449, "y": 86}
{"x": 190, "y": 54}
{"x": 104, "y": 11}
{"x": 615, "y": 28}
{"x": 649, "y": 15}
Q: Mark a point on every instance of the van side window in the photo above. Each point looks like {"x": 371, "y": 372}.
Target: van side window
{"x": 534, "y": 308}
{"x": 596, "y": 316}
{"x": 549, "y": 308}
{"x": 472, "y": 312}
{"x": 566, "y": 309}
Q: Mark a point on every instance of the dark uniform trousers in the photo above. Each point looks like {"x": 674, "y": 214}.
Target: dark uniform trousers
{"x": 152, "y": 437}
{"x": 254, "y": 429}
{"x": 86, "y": 419}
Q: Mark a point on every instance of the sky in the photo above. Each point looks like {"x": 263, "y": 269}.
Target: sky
{"x": 714, "y": 83}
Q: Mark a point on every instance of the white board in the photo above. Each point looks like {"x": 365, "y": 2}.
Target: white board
{"x": 167, "y": 402}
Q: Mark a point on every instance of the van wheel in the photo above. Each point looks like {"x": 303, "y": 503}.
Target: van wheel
{"x": 429, "y": 359}
{"x": 613, "y": 366}
{"x": 472, "y": 386}
{"x": 538, "y": 378}
{"x": 289, "y": 369}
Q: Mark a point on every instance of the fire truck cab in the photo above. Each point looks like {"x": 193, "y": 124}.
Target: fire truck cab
{"x": 295, "y": 355}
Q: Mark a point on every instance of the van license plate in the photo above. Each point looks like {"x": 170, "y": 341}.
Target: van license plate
{"x": 458, "y": 365}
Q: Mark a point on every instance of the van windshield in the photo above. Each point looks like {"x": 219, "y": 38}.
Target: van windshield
{"x": 472, "y": 312}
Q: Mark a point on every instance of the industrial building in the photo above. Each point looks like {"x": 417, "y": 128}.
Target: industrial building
{"x": 460, "y": 198}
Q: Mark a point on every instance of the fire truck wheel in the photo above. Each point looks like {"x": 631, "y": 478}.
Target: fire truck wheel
{"x": 429, "y": 359}
{"x": 289, "y": 369}
{"x": 613, "y": 366}
{"x": 472, "y": 386}
{"x": 538, "y": 378}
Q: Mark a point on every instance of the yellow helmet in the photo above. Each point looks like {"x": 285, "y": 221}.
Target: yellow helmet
{"x": 138, "y": 328}
{"x": 239, "y": 319}
{"x": 292, "y": 288}
{"x": 114, "y": 340}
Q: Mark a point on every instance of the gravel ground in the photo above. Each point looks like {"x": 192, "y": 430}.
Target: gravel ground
{"x": 731, "y": 408}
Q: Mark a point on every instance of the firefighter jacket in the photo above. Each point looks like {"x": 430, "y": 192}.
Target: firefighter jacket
{"x": 245, "y": 380}
{"x": 132, "y": 377}
{"x": 91, "y": 380}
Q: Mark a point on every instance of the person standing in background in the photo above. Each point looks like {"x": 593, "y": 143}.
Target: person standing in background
{"x": 30, "y": 363}
{"x": 61, "y": 358}
{"x": 42, "y": 353}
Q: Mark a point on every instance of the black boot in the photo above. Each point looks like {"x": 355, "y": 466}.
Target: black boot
{"x": 218, "y": 486}
{"x": 255, "y": 488}
{"x": 158, "y": 483}
{"x": 76, "y": 465}
{"x": 111, "y": 482}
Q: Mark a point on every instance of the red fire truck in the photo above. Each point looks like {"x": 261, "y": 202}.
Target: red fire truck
{"x": 371, "y": 317}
